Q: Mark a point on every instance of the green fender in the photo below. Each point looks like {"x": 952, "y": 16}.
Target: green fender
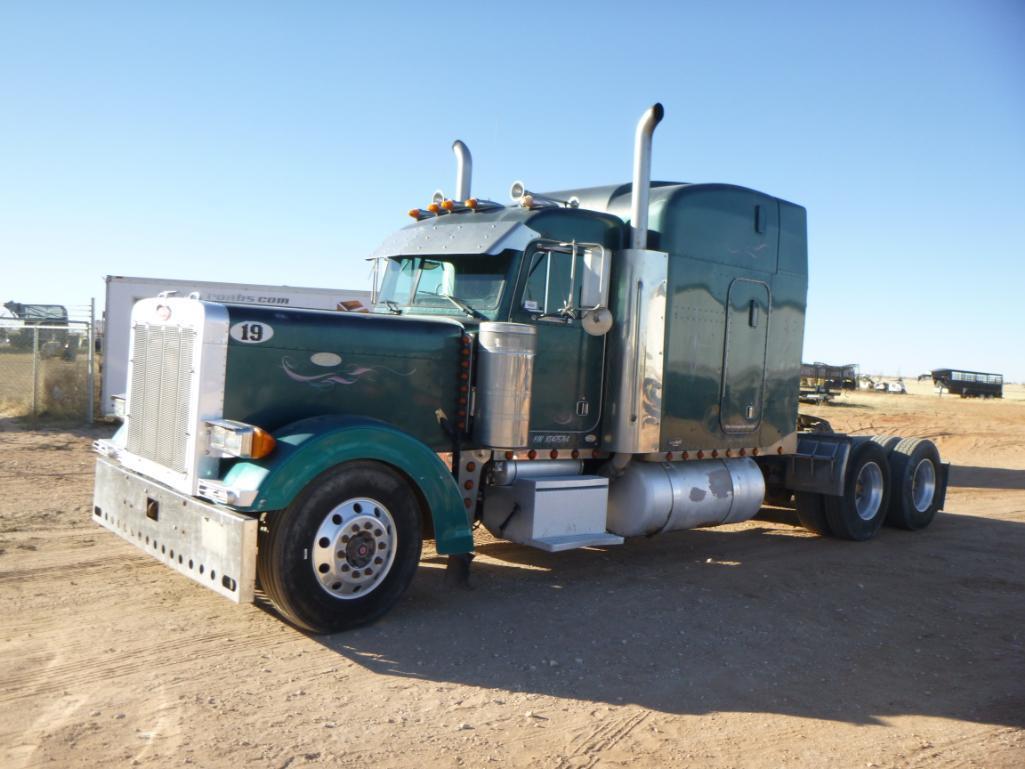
{"x": 307, "y": 448}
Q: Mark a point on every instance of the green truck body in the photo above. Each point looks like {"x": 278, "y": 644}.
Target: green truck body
{"x": 556, "y": 369}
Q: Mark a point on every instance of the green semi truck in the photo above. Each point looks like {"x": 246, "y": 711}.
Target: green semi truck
{"x": 567, "y": 370}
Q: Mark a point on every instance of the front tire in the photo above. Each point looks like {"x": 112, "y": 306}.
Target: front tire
{"x": 860, "y": 511}
{"x": 343, "y": 553}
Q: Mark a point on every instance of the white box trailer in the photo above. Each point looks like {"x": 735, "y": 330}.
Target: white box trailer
{"x": 123, "y": 292}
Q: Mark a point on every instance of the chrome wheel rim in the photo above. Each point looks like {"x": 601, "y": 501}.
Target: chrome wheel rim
{"x": 923, "y": 485}
{"x": 354, "y": 548}
{"x": 868, "y": 491}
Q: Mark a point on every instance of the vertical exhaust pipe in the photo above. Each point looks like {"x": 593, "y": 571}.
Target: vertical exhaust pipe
{"x": 464, "y": 170}
{"x": 642, "y": 175}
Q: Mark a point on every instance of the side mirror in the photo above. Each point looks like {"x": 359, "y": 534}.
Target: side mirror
{"x": 594, "y": 291}
{"x": 588, "y": 266}
{"x": 594, "y": 288}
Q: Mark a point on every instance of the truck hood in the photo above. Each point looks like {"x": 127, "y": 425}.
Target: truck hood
{"x": 285, "y": 365}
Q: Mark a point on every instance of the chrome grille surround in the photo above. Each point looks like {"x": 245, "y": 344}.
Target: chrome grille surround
{"x": 175, "y": 383}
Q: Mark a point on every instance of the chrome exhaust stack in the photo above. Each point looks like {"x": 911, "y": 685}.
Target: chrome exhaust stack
{"x": 642, "y": 175}
{"x": 464, "y": 170}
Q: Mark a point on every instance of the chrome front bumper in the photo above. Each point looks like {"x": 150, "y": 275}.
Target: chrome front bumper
{"x": 214, "y": 546}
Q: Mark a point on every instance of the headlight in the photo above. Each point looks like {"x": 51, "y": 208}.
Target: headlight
{"x": 237, "y": 439}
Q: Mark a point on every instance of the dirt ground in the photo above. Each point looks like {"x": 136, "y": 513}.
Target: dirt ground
{"x": 753, "y": 645}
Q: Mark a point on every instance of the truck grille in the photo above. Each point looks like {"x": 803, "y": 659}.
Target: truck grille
{"x": 158, "y": 409}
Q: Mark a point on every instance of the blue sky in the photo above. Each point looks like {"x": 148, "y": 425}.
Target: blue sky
{"x": 280, "y": 142}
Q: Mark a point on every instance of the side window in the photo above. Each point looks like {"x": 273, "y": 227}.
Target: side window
{"x": 547, "y": 289}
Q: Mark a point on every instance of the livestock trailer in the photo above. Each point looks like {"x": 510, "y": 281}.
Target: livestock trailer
{"x": 969, "y": 384}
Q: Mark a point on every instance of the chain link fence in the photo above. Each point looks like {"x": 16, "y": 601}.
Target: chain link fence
{"x": 48, "y": 366}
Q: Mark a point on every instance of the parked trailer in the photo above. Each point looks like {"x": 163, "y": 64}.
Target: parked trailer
{"x": 969, "y": 384}
{"x": 553, "y": 369}
{"x": 123, "y": 292}
{"x": 820, "y": 382}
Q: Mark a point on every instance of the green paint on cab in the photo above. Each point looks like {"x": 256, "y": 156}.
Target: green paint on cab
{"x": 309, "y": 363}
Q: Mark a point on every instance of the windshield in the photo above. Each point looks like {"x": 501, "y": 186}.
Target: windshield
{"x": 474, "y": 281}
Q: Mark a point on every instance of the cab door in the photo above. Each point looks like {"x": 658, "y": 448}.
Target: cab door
{"x": 569, "y": 363}
{"x": 748, "y": 308}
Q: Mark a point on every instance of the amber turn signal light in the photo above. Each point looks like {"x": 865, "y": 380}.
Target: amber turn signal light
{"x": 263, "y": 443}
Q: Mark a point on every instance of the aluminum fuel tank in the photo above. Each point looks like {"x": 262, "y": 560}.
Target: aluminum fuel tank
{"x": 656, "y": 497}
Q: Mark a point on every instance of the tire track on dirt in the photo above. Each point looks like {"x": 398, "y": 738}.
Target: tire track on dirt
{"x": 599, "y": 739}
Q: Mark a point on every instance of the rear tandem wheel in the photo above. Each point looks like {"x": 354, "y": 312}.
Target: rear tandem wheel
{"x": 859, "y": 512}
{"x": 811, "y": 512}
{"x": 915, "y": 478}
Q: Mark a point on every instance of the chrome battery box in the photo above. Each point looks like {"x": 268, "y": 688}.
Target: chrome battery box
{"x": 554, "y": 513}
{"x": 212, "y": 545}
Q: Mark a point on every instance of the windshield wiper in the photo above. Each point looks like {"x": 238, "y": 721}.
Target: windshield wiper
{"x": 463, "y": 305}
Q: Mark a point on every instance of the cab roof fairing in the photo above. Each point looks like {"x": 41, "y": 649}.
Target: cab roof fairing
{"x": 454, "y": 234}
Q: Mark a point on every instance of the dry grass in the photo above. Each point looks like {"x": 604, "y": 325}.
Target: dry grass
{"x": 62, "y": 386}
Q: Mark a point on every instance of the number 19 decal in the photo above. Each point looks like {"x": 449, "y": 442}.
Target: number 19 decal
{"x": 251, "y": 332}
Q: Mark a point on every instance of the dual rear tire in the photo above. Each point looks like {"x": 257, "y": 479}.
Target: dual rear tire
{"x": 889, "y": 480}
{"x": 915, "y": 499}
{"x": 859, "y": 512}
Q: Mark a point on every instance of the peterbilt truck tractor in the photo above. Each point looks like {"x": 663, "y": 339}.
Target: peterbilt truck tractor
{"x": 569, "y": 369}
